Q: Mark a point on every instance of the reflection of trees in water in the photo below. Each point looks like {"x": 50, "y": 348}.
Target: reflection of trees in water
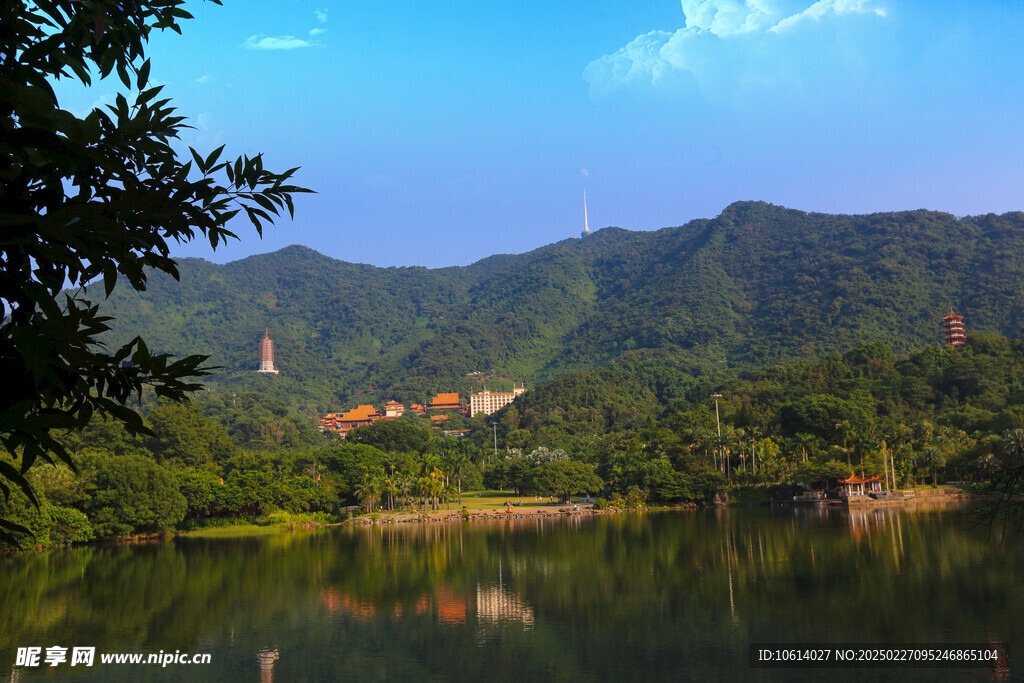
{"x": 592, "y": 594}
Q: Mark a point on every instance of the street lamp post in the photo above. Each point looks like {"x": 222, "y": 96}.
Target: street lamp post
{"x": 495, "y": 426}
{"x": 718, "y": 423}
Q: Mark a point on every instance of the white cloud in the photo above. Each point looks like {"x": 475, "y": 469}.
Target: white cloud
{"x": 262, "y": 42}
{"x": 321, "y": 15}
{"x": 202, "y": 80}
{"x": 824, "y": 8}
{"x": 638, "y": 61}
{"x": 313, "y": 33}
{"x": 723, "y": 43}
{"x": 727, "y": 17}
{"x": 205, "y": 134}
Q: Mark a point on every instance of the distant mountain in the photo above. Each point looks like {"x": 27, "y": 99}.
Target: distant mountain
{"x": 759, "y": 284}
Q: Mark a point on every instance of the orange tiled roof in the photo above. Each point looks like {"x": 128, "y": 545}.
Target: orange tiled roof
{"x": 360, "y": 413}
{"x": 854, "y": 479}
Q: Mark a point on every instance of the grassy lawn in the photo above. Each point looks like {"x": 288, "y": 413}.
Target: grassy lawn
{"x": 232, "y": 531}
{"x": 495, "y": 500}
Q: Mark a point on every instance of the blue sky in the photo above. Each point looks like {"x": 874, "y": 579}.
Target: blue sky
{"x": 438, "y": 133}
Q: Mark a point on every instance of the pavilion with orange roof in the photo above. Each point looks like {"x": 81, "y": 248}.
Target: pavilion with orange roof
{"x": 859, "y": 486}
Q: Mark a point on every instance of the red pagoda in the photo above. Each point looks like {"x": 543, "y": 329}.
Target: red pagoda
{"x": 953, "y": 329}
{"x": 267, "y": 354}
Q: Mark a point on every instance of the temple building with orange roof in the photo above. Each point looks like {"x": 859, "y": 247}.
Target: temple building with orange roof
{"x": 364, "y": 415}
{"x": 393, "y": 409}
{"x": 329, "y": 422}
{"x": 358, "y": 417}
{"x": 953, "y": 330}
{"x": 445, "y": 402}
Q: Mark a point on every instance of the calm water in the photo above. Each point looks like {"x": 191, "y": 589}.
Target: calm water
{"x": 661, "y": 596}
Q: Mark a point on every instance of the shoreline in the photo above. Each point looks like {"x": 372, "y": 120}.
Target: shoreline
{"x": 248, "y": 529}
{"x": 586, "y": 510}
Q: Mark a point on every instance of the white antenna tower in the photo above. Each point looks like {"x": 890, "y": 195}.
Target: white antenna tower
{"x": 586, "y": 224}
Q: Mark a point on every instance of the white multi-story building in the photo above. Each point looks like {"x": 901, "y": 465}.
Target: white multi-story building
{"x": 486, "y": 402}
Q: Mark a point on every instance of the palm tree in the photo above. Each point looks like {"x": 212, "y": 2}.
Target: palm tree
{"x": 429, "y": 462}
{"x": 389, "y": 487}
{"x": 436, "y": 485}
{"x": 423, "y": 489}
{"x": 1012, "y": 448}
{"x": 457, "y": 463}
{"x": 405, "y": 483}
{"x": 368, "y": 488}
{"x": 934, "y": 457}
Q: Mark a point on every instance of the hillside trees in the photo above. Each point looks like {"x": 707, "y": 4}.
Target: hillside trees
{"x": 104, "y": 196}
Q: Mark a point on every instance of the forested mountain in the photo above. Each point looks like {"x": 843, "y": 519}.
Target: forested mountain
{"x": 757, "y": 285}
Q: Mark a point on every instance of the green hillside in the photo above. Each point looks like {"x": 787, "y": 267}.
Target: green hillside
{"x": 757, "y": 285}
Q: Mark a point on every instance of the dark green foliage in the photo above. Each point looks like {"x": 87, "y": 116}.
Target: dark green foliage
{"x": 68, "y": 525}
{"x": 202, "y": 491}
{"x": 130, "y": 494}
{"x": 564, "y": 478}
{"x": 35, "y": 520}
{"x": 509, "y": 474}
{"x": 185, "y": 438}
{"x": 821, "y": 475}
{"x": 50, "y": 525}
{"x": 96, "y": 198}
{"x": 823, "y": 416}
{"x": 258, "y": 421}
{"x": 349, "y": 463}
{"x": 393, "y": 436}
{"x": 937, "y": 415}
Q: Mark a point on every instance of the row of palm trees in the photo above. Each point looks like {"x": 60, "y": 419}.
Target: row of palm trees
{"x": 427, "y": 479}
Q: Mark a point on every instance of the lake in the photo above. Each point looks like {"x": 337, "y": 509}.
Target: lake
{"x": 645, "y": 596}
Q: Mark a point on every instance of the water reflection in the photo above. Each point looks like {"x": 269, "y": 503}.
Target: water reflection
{"x": 674, "y": 595}
{"x": 489, "y": 604}
{"x": 495, "y": 606}
{"x": 267, "y": 659}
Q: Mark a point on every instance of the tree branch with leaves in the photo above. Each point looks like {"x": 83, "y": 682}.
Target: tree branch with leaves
{"x": 99, "y": 197}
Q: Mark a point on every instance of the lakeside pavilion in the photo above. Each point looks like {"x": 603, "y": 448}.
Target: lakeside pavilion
{"x": 859, "y": 486}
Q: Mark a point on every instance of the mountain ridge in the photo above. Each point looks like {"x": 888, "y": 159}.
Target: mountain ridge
{"x": 758, "y": 284}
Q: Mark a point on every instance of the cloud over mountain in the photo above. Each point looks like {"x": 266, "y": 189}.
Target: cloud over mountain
{"x": 725, "y": 44}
